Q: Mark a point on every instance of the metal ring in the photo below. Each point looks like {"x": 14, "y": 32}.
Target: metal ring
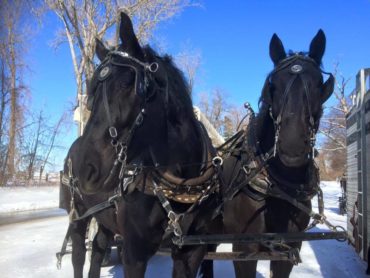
{"x": 217, "y": 161}
{"x": 153, "y": 67}
{"x": 112, "y": 132}
{"x": 341, "y": 229}
{"x": 247, "y": 105}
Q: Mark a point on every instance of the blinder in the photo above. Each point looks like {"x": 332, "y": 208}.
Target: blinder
{"x": 142, "y": 78}
{"x": 141, "y": 83}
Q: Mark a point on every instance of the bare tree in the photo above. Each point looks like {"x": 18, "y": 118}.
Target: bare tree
{"x": 333, "y": 127}
{"x": 215, "y": 108}
{"x": 3, "y": 92}
{"x": 12, "y": 52}
{"x": 53, "y": 132}
{"x": 4, "y": 99}
{"x": 38, "y": 144}
{"x": 32, "y": 155}
{"x": 84, "y": 20}
{"x": 189, "y": 61}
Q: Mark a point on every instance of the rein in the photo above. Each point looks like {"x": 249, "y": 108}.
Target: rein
{"x": 258, "y": 176}
{"x": 296, "y": 69}
{"x": 165, "y": 185}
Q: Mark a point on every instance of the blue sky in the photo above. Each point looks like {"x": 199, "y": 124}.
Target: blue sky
{"x": 233, "y": 38}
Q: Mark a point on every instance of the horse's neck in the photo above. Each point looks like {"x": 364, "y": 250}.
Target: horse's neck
{"x": 184, "y": 148}
{"x": 265, "y": 137}
{"x": 265, "y": 133}
{"x": 294, "y": 175}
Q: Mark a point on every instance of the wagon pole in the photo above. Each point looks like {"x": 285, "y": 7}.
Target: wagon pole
{"x": 258, "y": 238}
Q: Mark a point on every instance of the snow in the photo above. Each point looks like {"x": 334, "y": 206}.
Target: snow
{"x": 28, "y": 249}
{"x": 26, "y": 198}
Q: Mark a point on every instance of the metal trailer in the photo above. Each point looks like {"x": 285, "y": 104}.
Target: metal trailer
{"x": 358, "y": 165}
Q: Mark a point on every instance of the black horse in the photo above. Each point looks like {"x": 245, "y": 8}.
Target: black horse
{"x": 280, "y": 143}
{"x": 142, "y": 136}
{"x": 77, "y": 204}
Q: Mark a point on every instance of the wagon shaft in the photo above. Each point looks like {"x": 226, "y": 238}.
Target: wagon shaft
{"x": 241, "y": 256}
{"x": 258, "y": 238}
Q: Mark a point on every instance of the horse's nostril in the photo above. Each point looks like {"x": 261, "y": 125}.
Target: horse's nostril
{"x": 90, "y": 172}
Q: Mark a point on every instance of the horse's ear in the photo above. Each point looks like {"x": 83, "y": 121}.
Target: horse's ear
{"x": 277, "y": 51}
{"x": 317, "y": 47}
{"x": 100, "y": 49}
{"x": 327, "y": 88}
{"x": 128, "y": 37}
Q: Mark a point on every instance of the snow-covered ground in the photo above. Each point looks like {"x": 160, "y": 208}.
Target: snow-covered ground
{"x": 22, "y": 198}
{"x": 28, "y": 249}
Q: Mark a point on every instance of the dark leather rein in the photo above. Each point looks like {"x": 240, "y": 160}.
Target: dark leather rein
{"x": 296, "y": 69}
{"x": 126, "y": 174}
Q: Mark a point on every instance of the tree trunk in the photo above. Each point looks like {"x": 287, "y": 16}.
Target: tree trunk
{"x": 33, "y": 154}
{"x": 52, "y": 142}
{"x": 3, "y": 101}
{"x": 13, "y": 111}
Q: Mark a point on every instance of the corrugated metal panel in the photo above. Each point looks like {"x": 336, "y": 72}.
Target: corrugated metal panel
{"x": 352, "y": 129}
{"x": 352, "y": 170}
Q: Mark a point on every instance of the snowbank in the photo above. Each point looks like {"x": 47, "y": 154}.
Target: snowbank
{"x": 21, "y": 198}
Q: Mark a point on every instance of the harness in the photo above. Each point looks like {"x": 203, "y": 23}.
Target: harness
{"x": 258, "y": 180}
{"x": 162, "y": 183}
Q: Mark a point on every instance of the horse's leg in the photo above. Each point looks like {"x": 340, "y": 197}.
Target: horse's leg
{"x": 140, "y": 218}
{"x": 78, "y": 234}
{"x": 285, "y": 219}
{"x": 368, "y": 261}
{"x": 244, "y": 215}
{"x": 186, "y": 261}
{"x": 99, "y": 247}
{"x": 206, "y": 267}
{"x": 136, "y": 251}
{"x": 282, "y": 269}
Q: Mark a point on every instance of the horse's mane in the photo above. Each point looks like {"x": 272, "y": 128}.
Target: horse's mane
{"x": 179, "y": 100}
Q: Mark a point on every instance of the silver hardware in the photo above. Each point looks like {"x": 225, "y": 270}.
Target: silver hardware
{"x": 153, "y": 67}
{"x": 217, "y": 161}
{"x": 174, "y": 222}
{"x": 296, "y": 68}
{"x": 112, "y": 132}
{"x": 104, "y": 72}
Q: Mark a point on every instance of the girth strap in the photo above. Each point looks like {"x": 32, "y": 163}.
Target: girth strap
{"x": 99, "y": 207}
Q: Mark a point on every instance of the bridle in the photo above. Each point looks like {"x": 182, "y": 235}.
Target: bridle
{"x": 142, "y": 78}
{"x": 296, "y": 69}
{"x": 161, "y": 180}
{"x": 143, "y": 75}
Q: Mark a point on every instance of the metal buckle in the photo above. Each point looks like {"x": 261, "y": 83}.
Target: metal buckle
{"x": 174, "y": 222}
{"x": 247, "y": 170}
{"x": 217, "y": 161}
{"x": 113, "y": 132}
